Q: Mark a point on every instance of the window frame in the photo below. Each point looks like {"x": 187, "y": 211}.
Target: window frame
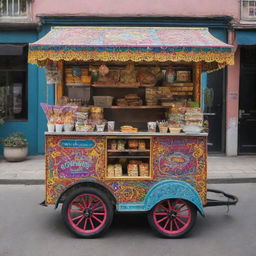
{"x": 247, "y": 18}
{"x": 18, "y": 18}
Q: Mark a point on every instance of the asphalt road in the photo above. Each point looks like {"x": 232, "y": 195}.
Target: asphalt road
{"x": 29, "y": 229}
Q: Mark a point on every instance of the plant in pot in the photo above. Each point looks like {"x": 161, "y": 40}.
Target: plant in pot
{"x": 15, "y": 147}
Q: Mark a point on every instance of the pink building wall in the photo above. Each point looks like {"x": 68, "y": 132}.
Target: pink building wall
{"x": 180, "y": 8}
{"x": 158, "y": 8}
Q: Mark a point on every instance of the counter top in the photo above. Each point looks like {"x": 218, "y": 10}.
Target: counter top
{"x": 134, "y": 134}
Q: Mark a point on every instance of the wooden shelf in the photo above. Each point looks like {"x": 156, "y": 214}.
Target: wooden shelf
{"x": 116, "y": 87}
{"x": 137, "y": 107}
{"x": 77, "y": 85}
{"x": 129, "y": 177}
{"x": 128, "y": 157}
{"x": 128, "y": 150}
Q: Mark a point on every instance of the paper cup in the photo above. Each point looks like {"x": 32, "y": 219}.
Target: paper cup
{"x": 59, "y": 127}
{"x": 50, "y": 127}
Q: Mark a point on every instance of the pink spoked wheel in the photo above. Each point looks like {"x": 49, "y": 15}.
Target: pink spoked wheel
{"x": 87, "y": 212}
{"x": 172, "y": 217}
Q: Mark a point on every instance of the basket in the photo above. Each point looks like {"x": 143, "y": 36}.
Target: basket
{"x": 103, "y": 101}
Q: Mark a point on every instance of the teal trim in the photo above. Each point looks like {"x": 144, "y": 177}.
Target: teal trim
{"x": 218, "y": 22}
{"x": 246, "y": 37}
{"x": 165, "y": 190}
{"x": 46, "y": 94}
{"x": 222, "y": 35}
{"x": 126, "y": 49}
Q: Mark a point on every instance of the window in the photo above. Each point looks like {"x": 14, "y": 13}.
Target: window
{"x": 14, "y": 8}
{"x": 248, "y": 10}
{"x": 13, "y": 81}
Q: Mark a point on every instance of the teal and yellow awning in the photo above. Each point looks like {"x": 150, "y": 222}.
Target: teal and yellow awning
{"x": 138, "y": 44}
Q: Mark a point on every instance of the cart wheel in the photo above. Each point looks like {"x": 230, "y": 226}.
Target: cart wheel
{"x": 87, "y": 212}
{"x": 172, "y": 217}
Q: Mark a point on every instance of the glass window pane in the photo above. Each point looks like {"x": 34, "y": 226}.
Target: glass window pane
{"x": 9, "y": 11}
{"x": 251, "y": 11}
{"x": 251, "y": 3}
{"x": 13, "y": 81}
{"x": 16, "y": 7}
{"x": 23, "y": 7}
{"x": 2, "y": 7}
{"x": 245, "y": 3}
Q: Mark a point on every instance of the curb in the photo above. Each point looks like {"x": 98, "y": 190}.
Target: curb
{"x": 209, "y": 181}
{"x": 21, "y": 182}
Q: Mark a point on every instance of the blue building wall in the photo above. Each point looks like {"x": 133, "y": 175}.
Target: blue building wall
{"x": 35, "y": 124}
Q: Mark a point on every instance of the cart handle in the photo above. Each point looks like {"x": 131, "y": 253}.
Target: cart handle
{"x": 231, "y": 199}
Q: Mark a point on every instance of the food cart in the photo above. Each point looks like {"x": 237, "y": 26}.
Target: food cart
{"x": 131, "y": 77}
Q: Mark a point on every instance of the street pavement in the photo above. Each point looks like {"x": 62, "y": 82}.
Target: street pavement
{"x": 221, "y": 169}
{"x": 28, "y": 229}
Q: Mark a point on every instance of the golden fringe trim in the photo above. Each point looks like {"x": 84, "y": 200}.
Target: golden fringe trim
{"x": 39, "y": 57}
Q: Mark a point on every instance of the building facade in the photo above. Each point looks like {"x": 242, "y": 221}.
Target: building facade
{"x": 35, "y": 19}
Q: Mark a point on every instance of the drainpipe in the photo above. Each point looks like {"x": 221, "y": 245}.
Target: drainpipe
{"x": 232, "y": 100}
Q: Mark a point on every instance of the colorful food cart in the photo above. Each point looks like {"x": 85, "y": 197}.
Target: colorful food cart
{"x": 132, "y": 77}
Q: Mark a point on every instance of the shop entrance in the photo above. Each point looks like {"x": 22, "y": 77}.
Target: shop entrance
{"x": 247, "y": 101}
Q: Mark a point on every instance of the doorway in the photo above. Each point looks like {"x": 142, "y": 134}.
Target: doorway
{"x": 247, "y": 101}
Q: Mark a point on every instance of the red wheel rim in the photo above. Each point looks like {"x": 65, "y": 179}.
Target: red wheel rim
{"x": 172, "y": 216}
{"x": 87, "y": 213}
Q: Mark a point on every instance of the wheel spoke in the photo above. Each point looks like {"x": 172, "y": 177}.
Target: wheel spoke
{"x": 166, "y": 223}
{"x": 77, "y": 224}
{"x": 164, "y": 218}
{"x": 175, "y": 203}
{"x": 178, "y": 219}
{"x": 76, "y": 211}
{"x": 161, "y": 205}
{"x": 161, "y": 213}
{"x": 78, "y": 217}
{"x": 95, "y": 205}
{"x": 84, "y": 203}
{"x": 85, "y": 223}
{"x": 184, "y": 210}
{"x": 93, "y": 227}
{"x": 179, "y": 209}
{"x": 171, "y": 223}
{"x": 99, "y": 213}
{"x": 169, "y": 205}
{"x": 79, "y": 205}
{"x": 100, "y": 221}
{"x": 89, "y": 202}
{"x": 183, "y": 216}
{"x": 177, "y": 226}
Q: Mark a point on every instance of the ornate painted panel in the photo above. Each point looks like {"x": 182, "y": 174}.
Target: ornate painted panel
{"x": 70, "y": 159}
{"x": 181, "y": 158}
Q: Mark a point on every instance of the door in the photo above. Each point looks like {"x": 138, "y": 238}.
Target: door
{"x": 247, "y": 101}
{"x": 213, "y": 97}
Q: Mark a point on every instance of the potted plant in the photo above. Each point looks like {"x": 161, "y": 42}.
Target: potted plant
{"x": 15, "y": 147}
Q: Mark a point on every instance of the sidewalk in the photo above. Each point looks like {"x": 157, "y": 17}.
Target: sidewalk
{"x": 221, "y": 169}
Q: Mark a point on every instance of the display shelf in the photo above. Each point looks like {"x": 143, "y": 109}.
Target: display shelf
{"x": 116, "y": 87}
{"x": 77, "y": 85}
{"x": 128, "y": 150}
{"x": 137, "y": 107}
{"x": 129, "y": 177}
{"x": 128, "y": 157}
